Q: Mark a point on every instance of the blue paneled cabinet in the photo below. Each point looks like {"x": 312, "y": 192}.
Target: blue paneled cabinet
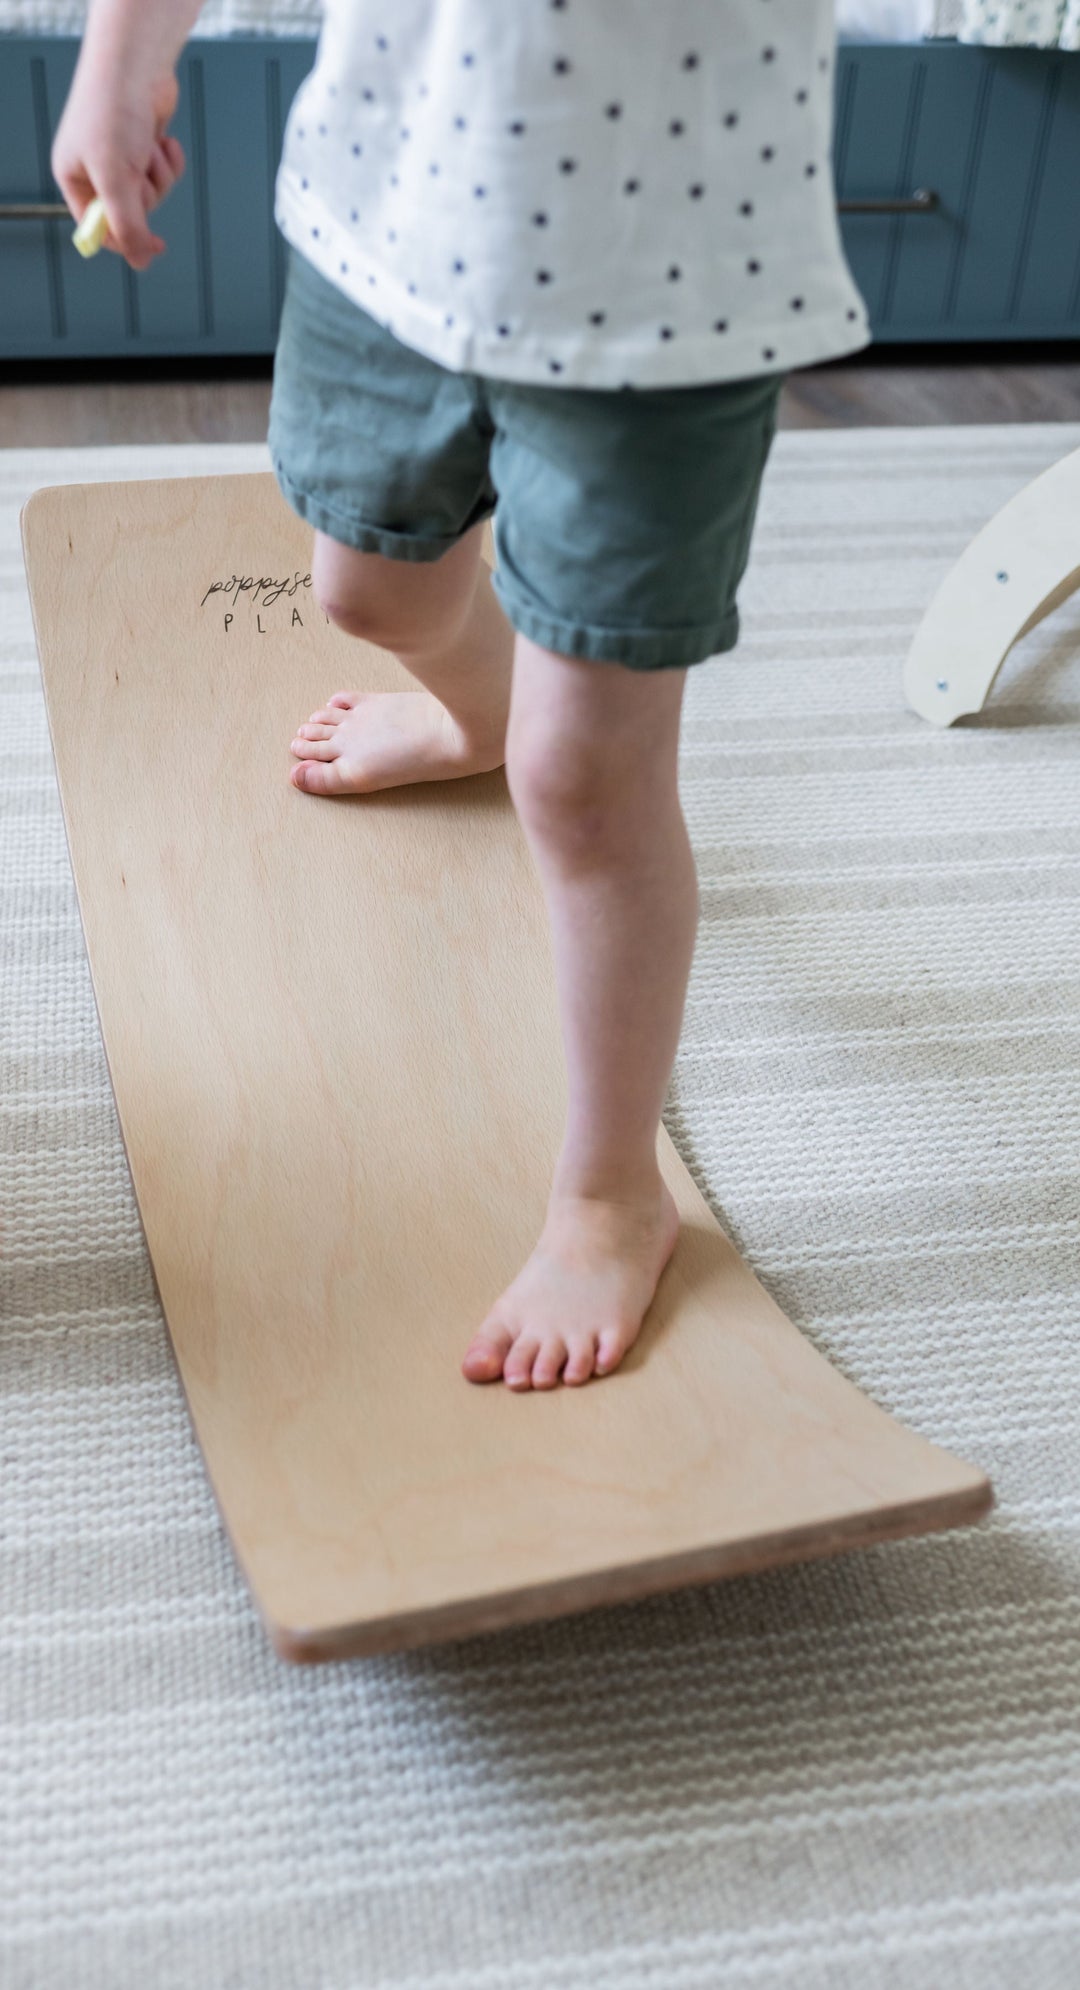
{"x": 992, "y": 135}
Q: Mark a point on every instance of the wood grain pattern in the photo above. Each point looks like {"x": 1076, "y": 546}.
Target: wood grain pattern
{"x": 333, "y": 1039}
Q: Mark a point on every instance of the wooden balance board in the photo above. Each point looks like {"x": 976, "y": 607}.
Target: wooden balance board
{"x": 333, "y": 1038}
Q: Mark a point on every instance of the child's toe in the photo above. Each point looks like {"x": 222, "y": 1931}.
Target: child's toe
{"x": 549, "y": 1363}
{"x": 518, "y": 1366}
{"x": 611, "y": 1347}
{"x": 486, "y": 1353}
{"x": 580, "y": 1362}
{"x": 318, "y": 777}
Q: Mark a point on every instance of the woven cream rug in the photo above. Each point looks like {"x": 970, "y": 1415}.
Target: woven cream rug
{"x": 861, "y": 1774}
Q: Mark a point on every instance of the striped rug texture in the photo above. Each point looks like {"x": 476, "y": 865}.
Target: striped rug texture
{"x": 861, "y": 1774}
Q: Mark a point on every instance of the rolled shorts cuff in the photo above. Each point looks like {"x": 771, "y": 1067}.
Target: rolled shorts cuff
{"x": 349, "y": 530}
{"x": 639, "y": 649}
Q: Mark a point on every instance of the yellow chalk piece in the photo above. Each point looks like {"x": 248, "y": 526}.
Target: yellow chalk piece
{"x": 92, "y": 229}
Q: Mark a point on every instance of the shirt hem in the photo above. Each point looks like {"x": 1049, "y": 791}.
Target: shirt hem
{"x": 458, "y": 349}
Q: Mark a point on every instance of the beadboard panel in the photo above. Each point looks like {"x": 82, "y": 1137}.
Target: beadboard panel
{"x": 995, "y": 133}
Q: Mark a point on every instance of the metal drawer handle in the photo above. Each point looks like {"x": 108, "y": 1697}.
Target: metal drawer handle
{"x": 923, "y": 201}
{"x": 31, "y": 210}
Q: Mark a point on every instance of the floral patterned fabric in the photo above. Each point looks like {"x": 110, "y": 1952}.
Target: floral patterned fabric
{"x": 1022, "y": 23}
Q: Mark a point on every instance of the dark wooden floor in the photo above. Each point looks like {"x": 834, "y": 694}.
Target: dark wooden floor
{"x": 40, "y": 407}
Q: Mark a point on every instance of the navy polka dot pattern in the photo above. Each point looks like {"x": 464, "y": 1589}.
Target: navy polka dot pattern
{"x": 670, "y": 160}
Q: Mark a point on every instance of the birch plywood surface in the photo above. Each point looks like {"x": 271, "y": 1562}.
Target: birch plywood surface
{"x": 333, "y": 1038}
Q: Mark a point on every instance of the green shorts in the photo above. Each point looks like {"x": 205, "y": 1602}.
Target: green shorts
{"x": 622, "y": 518}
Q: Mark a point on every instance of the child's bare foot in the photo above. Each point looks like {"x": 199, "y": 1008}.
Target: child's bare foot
{"x": 363, "y": 740}
{"x": 578, "y": 1304}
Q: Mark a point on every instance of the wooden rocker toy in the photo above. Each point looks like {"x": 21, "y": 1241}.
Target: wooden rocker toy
{"x": 333, "y": 1039}
{"x": 1024, "y": 563}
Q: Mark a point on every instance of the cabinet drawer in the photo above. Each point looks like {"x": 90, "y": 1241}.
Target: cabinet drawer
{"x": 995, "y": 134}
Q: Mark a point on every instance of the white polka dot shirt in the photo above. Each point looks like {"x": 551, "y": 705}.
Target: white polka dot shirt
{"x": 595, "y": 193}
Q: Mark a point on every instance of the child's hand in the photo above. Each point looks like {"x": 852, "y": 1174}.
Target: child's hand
{"x": 111, "y": 141}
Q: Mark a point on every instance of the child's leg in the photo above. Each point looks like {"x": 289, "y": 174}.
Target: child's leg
{"x": 441, "y": 618}
{"x": 592, "y": 750}
{"x": 592, "y": 766}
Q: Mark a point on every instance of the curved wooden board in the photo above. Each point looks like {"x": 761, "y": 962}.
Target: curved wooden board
{"x": 1023, "y": 564}
{"x": 333, "y": 1039}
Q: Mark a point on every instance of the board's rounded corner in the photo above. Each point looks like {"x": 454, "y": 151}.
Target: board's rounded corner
{"x": 971, "y": 1501}
{"x": 297, "y": 1646}
{"x": 984, "y": 1497}
{"x": 35, "y": 503}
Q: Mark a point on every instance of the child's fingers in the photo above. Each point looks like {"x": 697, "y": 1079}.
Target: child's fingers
{"x": 158, "y": 171}
{"x": 159, "y": 176}
{"x": 174, "y": 153}
{"x": 76, "y": 187}
{"x": 128, "y": 232}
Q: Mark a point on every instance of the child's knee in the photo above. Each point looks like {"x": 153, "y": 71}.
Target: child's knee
{"x": 363, "y": 594}
{"x": 399, "y": 605}
{"x": 567, "y": 790}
